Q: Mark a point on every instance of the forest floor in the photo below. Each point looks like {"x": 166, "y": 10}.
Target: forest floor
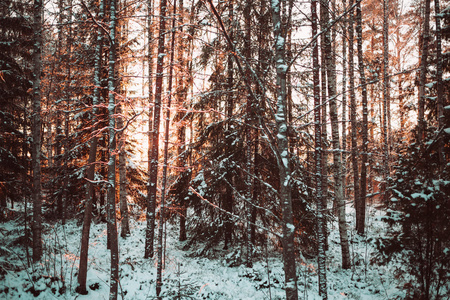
{"x": 186, "y": 275}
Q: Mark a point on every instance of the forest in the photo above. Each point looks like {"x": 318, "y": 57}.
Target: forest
{"x": 205, "y": 149}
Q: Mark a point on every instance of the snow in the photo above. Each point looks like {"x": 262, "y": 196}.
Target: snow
{"x": 186, "y": 274}
{"x": 447, "y": 130}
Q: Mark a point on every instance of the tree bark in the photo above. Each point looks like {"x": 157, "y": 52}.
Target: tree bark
{"x": 337, "y": 162}
{"x": 181, "y": 96}
{"x": 248, "y": 133}
{"x": 423, "y": 74}
{"x": 361, "y": 214}
{"x": 318, "y": 157}
{"x": 439, "y": 83}
{"x": 386, "y": 95}
{"x": 153, "y": 178}
{"x": 354, "y": 129}
{"x": 125, "y": 223}
{"x": 84, "y": 248}
{"x": 36, "y": 132}
{"x": 112, "y": 225}
{"x": 166, "y": 145}
{"x": 344, "y": 101}
{"x": 325, "y": 57}
{"x": 229, "y": 198}
{"x": 283, "y": 157}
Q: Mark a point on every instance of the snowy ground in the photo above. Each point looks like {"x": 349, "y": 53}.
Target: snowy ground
{"x": 185, "y": 276}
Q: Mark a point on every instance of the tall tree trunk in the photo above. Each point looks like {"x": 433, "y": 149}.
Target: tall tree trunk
{"x": 151, "y": 201}
{"x": 181, "y": 96}
{"x": 58, "y": 146}
{"x": 439, "y": 83}
{"x": 283, "y": 157}
{"x": 354, "y": 129}
{"x": 229, "y": 198}
{"x": 344, "y": 100}
{"x": 122, "y": 135}
{"x": 318, "y": 157}
{"x": 82, "y": 272}
{"x": 36, "y": 131}
{"x": 66, "y": 97}
{"x": 112, "y": 225}
{"x": 423, "y": 73}
{"x": 361, "y": 214}
{"x": 248, "y": 130}
{"x": 166, "y": 145}
{"x": 337, "y": 163}
{"x": 386, "y": 95}
{"x": 325, "y": 50}
{"x": 153, "y": 178}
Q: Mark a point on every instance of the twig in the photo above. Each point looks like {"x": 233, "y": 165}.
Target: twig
{"x": 231, "y": 214}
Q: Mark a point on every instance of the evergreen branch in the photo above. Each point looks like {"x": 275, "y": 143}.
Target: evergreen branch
{"x": 251, "y": 203}
{"x": 236, "y": 55}
{"x": 233, "y": 215}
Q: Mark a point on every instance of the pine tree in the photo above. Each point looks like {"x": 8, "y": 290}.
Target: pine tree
{"x": 16, "y": 41}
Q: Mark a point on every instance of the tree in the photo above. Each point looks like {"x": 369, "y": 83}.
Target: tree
{"x": 425, "y": 39}
{"x": 419, "y": 204}
{"x": 337, "y": 156}
{"x": 386, "y": 92}
{"x": 354, "y": 143}
{"x": 153, "y": 171}
{"x": 151, "y": 201}
{"x": 318, "y": 157}
{"x": 112, "y": 225}
{"x": 283, "y": 157}
{"x": 166, "y": 158}
{"x": 16, "y": 36}
{"x": 439, "y": 79}
{"x": 90, "y": 174}
{"x": 36, "y": 128}
{"x": 361, "y": 214}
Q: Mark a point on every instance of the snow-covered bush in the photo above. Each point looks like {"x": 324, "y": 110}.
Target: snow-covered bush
{"x": 419, "y": 204}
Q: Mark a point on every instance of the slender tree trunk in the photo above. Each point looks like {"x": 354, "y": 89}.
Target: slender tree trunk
{"x": 386, "y": 95}
{"x": 166, "y": 148}
{"x": 181, "y": 96}
{"x": 36, "y": 132}
{"x": 122, "y": 135}
{"x": 249, "y": 150}
{"x": 325, "y": 48}
{"x": 150, "y": 214}
{"x": 82, "y": 272}
{"x": 112, "y": 225}
{"x": 423, "y": 74}
{"x": 155, "y": 133}
{"x": 354, "y": 150}
{"x": 439, "y": 83}
{"x": 337, "y": 163}
{"x": 66, "y": 96}
{"x": 318, "y": 158}
{"x": 229, "y": 199}
{"x": 58, "y": 150}
{"x": 262, "y": 43}
{"x": 283, "y": 157}
{"x": 361, "y": 214}
{"x": 344, "y": 101}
